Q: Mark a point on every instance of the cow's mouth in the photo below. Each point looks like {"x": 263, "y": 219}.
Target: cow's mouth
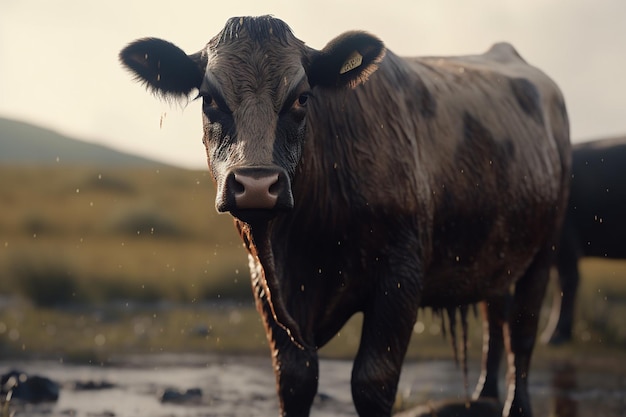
{"x": 252, "y": 216}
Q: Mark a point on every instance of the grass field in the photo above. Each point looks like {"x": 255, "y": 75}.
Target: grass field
{"x": 96, "y": 263}
{"x": 91, "y": 236}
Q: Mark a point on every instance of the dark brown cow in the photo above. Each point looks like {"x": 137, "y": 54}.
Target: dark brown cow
{"x": 365, "y": 182}
{"x": 594, "y": 225}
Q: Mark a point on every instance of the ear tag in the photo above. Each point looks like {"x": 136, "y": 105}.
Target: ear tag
{"x": 355, "y": 60}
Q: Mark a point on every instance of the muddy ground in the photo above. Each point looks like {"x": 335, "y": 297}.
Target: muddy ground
{"x": 244, "y": 386}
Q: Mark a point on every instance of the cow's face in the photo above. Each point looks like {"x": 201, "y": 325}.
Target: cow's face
{"x": 255, "y": 80}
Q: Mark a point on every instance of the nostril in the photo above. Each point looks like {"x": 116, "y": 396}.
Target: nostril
{"x": 237, "y": 187}
{"x": 275, "y": 187}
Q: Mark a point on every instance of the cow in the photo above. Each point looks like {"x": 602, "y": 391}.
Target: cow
{"x": 594, "y": 224}
{"x": 363, "y": 182}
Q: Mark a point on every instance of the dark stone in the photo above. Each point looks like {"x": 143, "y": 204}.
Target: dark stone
{"x": 92, "y": 385}
{"x": 190, "y": 396}
{"x": 28, "y": 388}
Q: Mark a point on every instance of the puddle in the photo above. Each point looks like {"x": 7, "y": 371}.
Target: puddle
{"x": 244, "y": 387}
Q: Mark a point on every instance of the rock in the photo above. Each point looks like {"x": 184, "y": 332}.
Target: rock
{"x": 190, "y": 396}
{"x": 28, "y": 388}
{"x": 92, "y": 385}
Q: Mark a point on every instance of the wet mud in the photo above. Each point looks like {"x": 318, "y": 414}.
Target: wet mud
{"x": 206, "y": 386}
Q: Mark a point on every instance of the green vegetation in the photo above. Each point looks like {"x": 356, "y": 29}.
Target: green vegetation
{"x": 75, "y": 235}
{"x": 85, "y": 250}
{"x": 97, "y": 263}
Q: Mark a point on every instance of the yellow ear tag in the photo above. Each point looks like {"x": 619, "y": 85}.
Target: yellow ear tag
{"x": 353, "y": 61}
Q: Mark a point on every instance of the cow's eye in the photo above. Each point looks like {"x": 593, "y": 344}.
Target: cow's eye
{"x": 301, "y": 101}
{"x": 208, "y": 102}
{"x": 295, "y": 105}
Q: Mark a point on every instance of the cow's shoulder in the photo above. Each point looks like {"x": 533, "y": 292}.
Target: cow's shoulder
{"x": 504, "y": 52}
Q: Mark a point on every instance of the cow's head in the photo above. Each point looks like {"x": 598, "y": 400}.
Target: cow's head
{"x": 256, "y": 81}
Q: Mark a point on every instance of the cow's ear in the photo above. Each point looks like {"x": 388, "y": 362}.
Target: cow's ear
{"x": 163, "y": 67}
{"x": 347, "y": 60}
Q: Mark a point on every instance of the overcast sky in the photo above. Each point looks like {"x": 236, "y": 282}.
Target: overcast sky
{"x": 59, "y": 68}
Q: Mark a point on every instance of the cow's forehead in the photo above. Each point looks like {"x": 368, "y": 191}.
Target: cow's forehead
{"x": 246, "y": 67}
{"x": 260, "y": 28}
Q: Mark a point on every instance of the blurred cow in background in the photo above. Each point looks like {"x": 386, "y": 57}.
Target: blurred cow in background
{"x": 594, "y": 226}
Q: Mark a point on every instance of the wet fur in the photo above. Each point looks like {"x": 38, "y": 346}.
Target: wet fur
{"x": 433, "y": 182}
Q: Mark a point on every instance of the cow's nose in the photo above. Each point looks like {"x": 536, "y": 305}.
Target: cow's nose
{"x": 256, "y": 189}
{"x": 255, "y": 192}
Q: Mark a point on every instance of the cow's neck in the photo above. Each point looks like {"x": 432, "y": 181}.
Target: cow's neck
{"x": 257, "y": 240}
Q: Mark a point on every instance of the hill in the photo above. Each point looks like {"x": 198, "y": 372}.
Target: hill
{"x": 27, "y": 144}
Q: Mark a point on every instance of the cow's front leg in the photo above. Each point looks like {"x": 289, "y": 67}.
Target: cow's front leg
{"x": 295, "y": 366}
{"x": 296, "y": 371}
{"x": 387, "y": 326}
